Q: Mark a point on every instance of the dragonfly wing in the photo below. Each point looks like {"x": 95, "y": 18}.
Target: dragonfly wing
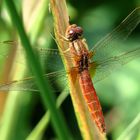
{"x": 105, "y": 67}
{"x": 111, "y": 44}
{"x": 28, "y": 84}
{"x": 46, "y": 56}
{"x": 113, "y": 51}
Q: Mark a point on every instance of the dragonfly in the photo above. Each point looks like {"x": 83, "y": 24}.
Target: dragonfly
{"x": 98, "y": 62}
{"x": 81, "y": 56}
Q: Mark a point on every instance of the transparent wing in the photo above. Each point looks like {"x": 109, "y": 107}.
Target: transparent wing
{"x": 50, "y": 61}
{"x": 105, "y": 67}
{"x": 28, "y": 84}
{"x": 46, "y": 55}
{"x": 114, "y": 50}
{"x": 111, "y": 44}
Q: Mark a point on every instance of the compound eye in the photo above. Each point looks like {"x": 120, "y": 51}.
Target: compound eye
{"x": 71, "y": 35}
{"x": 71, "y": 32}
{"x": 79, "y": 31}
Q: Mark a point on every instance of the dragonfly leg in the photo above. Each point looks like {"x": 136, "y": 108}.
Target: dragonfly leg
{"x": 66, "y": 51}
{"x": 63, "y": 38}
{"x": 91, "y": 53}
{"x": 73, "y": 54}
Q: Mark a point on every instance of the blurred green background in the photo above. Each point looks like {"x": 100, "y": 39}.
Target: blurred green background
{"x": 118, "y": 93}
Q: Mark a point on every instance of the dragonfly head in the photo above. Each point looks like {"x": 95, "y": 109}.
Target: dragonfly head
{"x": 73, "y": 32}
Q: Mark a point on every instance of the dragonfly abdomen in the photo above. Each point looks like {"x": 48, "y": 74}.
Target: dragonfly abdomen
{"x": 91, "y": 99}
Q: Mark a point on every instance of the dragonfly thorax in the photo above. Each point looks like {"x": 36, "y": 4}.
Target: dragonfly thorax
{"x": 74, "y": 32}
{"x": 83, "y": 63}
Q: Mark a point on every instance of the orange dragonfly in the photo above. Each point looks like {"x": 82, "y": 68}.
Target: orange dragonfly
{"x": 81, "y": 60}
{"x": 99, "y": 60}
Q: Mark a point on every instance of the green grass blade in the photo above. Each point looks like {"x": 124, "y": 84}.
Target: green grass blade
{"x": 38, "y": 131}
{"x": 131, "y": 128}
{"x": 48, "y": 98}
